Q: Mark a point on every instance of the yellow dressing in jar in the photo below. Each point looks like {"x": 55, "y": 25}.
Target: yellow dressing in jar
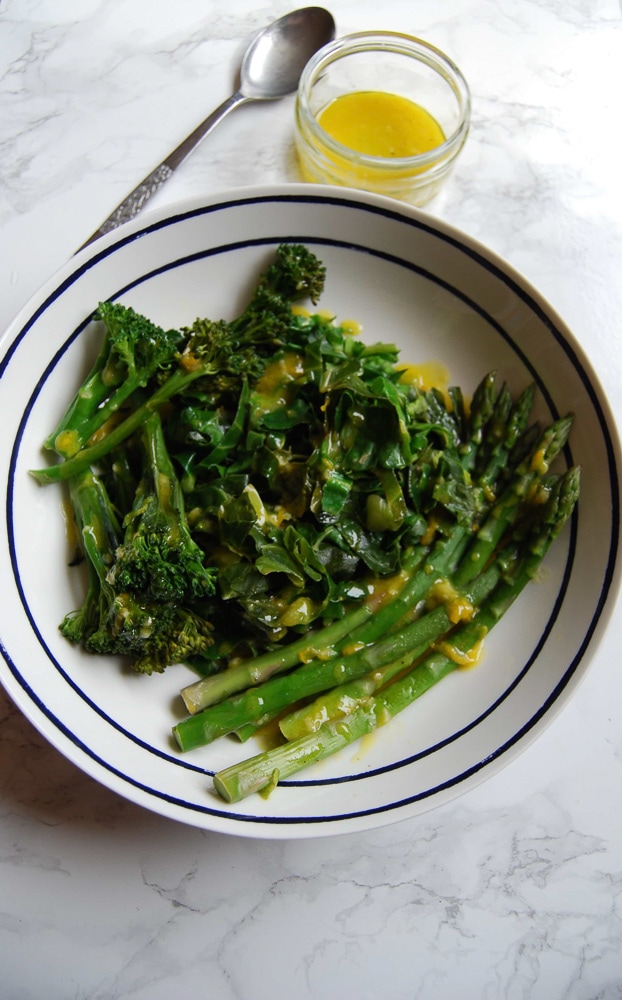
{"x": 382, "y": 111}
{"x": 381, "y": 124}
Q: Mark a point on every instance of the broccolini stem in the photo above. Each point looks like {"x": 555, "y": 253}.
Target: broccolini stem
{"x": 99, "y": 533}
{"x": 91, "y": 395}
{"x": 88, "y": 456}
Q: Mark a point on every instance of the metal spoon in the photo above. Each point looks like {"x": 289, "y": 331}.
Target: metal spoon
{"x": 270, "y": 69}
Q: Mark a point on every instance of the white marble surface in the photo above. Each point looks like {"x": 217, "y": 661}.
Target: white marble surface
{"x": 513, "y": 891}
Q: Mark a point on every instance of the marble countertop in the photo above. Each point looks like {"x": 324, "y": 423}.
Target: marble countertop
{"x": 513, "y": 890}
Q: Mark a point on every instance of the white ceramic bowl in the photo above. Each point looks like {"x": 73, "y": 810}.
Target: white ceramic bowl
{"x": 409, "y": 279}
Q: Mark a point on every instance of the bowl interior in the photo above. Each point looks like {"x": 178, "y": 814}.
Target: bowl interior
{"x": 407, "y": 279}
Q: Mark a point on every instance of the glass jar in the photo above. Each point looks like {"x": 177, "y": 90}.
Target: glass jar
{"x": 393, "y": 64}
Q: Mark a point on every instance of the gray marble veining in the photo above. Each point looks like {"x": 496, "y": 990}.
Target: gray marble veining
{"x": 513, "y": 892}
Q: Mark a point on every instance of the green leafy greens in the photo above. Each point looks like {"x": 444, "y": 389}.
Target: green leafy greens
{"x": 271, "y": 501}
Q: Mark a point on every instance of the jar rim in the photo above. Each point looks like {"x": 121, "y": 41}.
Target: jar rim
{"x": 401, "y": 43}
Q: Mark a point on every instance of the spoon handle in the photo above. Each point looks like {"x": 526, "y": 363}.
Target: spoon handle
{"x": 135, "y": 200}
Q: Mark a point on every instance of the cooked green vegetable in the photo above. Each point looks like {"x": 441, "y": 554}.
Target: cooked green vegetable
{"x": 133, "y": 350}
{"x": 114, "y": 620}
{"x": 259, "y": 704}
{"x": 274, "y": 503}
{"x": 158, "y": 557}
{"x": 129, "y": 457}
{"x": 265, "y": 770}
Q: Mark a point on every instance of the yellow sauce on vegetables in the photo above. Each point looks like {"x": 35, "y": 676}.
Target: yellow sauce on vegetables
{"x": 425, "y": 376}
{"x": 279, "y": 373}
{"x": 351, "y": 327}
{"x": 67, "y": 443}
{"x": 383, "y": 590}
{"x": 71, "y": 528}
{"x": 381, "y": 124}
{"x": 468, "y": 658}
{"x": 271, "y": 390}
{"x": 459, "y": 608}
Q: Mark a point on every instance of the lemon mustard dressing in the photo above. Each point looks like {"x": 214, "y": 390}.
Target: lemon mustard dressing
{"x": 381, "y": 124}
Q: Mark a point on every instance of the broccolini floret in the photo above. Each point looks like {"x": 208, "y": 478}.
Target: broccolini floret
{"x": 121, "y": 621}
{"x": 186, "y": 637}
{"x": 239, "y": 346}
{"x": 109, "y": 621}
{"x": 158, "y": 556}
{"x": 133, "y": 351}
{"x": 295, "y": 274}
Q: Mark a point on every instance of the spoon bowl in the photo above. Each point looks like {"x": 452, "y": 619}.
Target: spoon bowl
{"x": 274, "y": 61}
{"x": 270, "y": 69}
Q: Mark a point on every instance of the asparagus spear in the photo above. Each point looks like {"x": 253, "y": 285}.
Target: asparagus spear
{"x": 482, "y": 408}
{"x": 507, "y": 508}
{"x": 265, "y": 770}
{"x": 508, "y": 426}
{"x": 343, "y": 699}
